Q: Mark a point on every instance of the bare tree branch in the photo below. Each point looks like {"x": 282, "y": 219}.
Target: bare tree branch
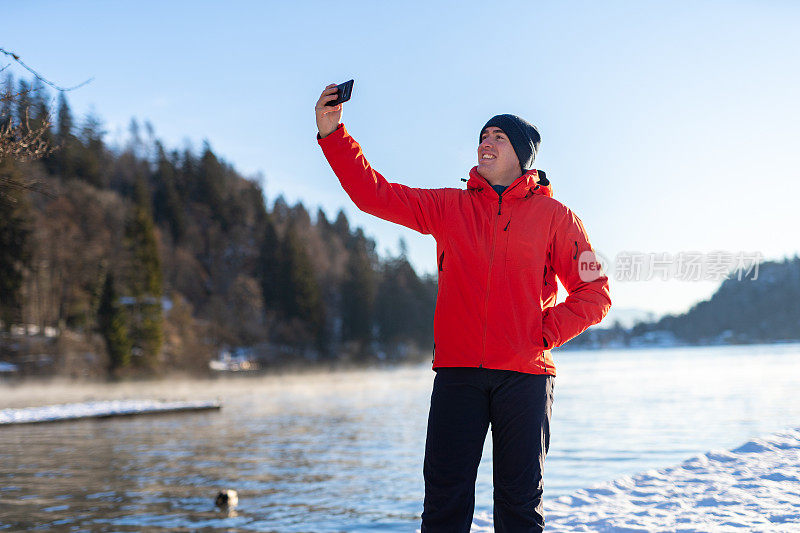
{"x": 18, "y": 141}
{"x": 22, "y": 143}
{"x": 39, "y": 77}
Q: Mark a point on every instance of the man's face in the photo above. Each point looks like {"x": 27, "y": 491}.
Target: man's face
{"x": 497, "y": 161}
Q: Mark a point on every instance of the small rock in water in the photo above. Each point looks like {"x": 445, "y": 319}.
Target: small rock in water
{"x": 227, "y": 499}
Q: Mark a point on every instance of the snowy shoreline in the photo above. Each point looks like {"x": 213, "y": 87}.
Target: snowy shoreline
{"x": 99, "y": 409}
{"x": 755, "y": 487}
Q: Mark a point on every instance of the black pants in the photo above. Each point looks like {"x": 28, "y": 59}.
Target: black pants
{"x": 464, "y": 402}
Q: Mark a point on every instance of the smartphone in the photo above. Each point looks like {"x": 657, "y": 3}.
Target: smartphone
{"x": 345, "y": 90}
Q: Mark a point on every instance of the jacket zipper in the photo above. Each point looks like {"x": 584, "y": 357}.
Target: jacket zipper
{"x": 489, "y": 279}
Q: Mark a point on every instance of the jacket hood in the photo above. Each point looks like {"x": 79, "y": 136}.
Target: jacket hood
{"x": 530, "y": 183}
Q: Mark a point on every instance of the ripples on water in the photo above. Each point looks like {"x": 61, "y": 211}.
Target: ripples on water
{"x": 343, "y": 452}
{"x": 306, "y": 453}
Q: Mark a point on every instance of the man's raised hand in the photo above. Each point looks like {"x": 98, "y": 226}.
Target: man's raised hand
{"x": 328, "y": 117}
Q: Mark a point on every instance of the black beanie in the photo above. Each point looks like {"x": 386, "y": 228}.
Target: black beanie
{"x": 523, "y": 135}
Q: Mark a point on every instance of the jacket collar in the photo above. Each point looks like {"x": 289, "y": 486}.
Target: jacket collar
{"x": 524, "y": 186}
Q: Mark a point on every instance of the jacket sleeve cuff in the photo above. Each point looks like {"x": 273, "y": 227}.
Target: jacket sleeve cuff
{"x": 336, "y": 135}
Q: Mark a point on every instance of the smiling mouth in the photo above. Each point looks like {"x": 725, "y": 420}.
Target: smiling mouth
{"x": 488, "y": 157}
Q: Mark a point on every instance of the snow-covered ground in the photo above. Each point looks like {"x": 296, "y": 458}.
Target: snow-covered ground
{"x": 72, "y": 411}
{"x": 755, "y": 487}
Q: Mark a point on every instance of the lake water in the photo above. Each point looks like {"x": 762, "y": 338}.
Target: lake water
{"x": 343, "y": 451}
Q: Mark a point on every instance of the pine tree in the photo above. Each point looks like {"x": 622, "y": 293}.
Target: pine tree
{"x": 86, "y": 158}
{"x": 40, "y": 112}
{"x": 280, "y": 211}
{"x": 186, "y": 181}
{"x": 322, "y": 222}
{"x": 112, "y": 323}
{"x": 358, "y": 293}
{"x": 146, "y": 278}
{"x": 168, "y": 206}
{"x": 300, "y": 295}
{"x": 65, "y": 121}
{"x": 211, "y": 186}
{"x": 341, "y": 226}
{"x": 269, "y": 267}
{"x": 404, "y": 304}
{"x": 63, "y": 160}
{"x": 15, "y": 253}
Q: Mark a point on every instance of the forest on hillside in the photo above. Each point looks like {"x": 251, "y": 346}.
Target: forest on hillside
{"x": 143, "y": 259}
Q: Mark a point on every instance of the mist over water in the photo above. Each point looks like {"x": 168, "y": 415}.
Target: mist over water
{"x": 313, "y": 452}
{"x": 343, "y": 451}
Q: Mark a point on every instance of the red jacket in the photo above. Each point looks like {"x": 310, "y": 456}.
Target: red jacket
{"x": 498, "y": 259}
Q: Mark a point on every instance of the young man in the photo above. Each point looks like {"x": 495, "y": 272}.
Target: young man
{"x": 500, "y": 245}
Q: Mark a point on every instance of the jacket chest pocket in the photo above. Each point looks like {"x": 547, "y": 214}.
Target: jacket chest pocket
{"x": 524, "y": 248}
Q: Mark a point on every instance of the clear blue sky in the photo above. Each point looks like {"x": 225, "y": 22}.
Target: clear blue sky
{"x": 666, "y": 126}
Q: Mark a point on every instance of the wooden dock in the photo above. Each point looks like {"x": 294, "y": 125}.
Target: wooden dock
{"x": 101, "y": 409}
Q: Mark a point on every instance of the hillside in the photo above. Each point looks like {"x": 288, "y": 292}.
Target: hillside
{"x": 143, "y": 260}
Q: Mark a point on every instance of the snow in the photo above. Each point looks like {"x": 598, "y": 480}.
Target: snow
{"x": 74, "y": 411}
{"x": 755, "y": 487}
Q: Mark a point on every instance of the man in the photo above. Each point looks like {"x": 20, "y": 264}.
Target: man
{"x": 500, "y": 245}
